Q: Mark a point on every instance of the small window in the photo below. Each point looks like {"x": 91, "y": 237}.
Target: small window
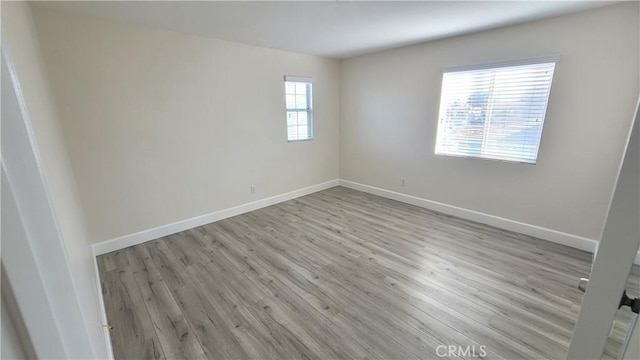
{"x": 494, "y": 112}
{"x": 298, "y": 96}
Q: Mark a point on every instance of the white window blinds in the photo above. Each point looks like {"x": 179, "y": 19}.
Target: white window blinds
{"x": 494, "y": 113}
{"x": 298, "y": 96}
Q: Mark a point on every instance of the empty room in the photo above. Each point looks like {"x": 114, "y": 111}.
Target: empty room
{"x": 320, "y": 180}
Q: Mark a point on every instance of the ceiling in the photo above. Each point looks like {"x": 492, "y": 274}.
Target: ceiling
{"x": 337, "y": 29}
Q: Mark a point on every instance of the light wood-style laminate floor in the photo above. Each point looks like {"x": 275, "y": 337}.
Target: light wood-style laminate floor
{"x": 342, "y": 274}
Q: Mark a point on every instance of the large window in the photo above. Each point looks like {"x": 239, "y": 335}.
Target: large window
{"x": 299, "y": 108}
{"x": 494, "y": 112}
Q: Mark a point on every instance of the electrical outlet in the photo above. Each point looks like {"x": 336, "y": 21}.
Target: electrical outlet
{"x": 403, "y": 182}
{"x": 252, "y": 188}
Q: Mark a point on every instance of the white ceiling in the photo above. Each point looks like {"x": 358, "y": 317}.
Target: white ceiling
{"x": 337, "y": 29}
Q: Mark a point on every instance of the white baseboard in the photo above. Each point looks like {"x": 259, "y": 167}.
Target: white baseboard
{"x": 574, "y": 241}
{"x": 558, "y": 237}
{"x": 103, "y": 311}
{"x": 160, "y": 231}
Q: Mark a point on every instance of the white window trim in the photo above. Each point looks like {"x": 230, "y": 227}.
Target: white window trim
{"x": 306, "y": 80}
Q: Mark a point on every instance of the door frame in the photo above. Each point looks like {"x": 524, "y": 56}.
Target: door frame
{"x": 34, "y": 258}
{"x": 614, "y": 257}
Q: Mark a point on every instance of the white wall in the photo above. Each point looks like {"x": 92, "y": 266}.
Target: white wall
{"x": 61, "y": 245}
{"x": 163, "y": 127}
{"x": 389, "y": 107}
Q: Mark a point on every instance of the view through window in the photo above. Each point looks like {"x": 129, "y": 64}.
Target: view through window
{"x": 494, "y": 113}
{"x": 299, "y": 108}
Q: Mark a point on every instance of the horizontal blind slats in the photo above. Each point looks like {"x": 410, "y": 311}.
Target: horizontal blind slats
{"x": 494, "y": 113}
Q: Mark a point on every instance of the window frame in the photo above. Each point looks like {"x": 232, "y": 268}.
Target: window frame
{"x": 490, "y": 66}
{"x": 309, "y": 109}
